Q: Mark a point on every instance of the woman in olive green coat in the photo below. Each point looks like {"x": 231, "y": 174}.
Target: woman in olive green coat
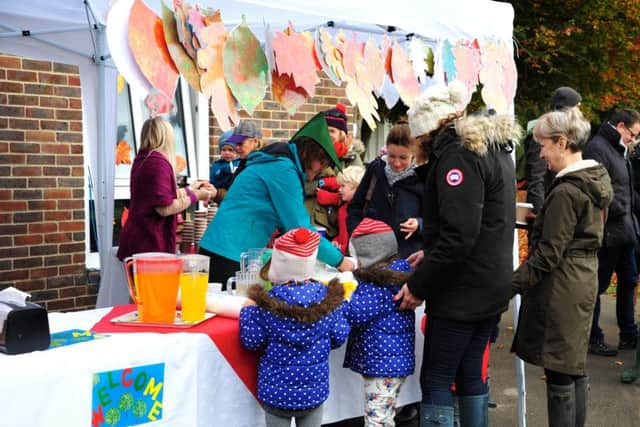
{"x": 559, "y": 280}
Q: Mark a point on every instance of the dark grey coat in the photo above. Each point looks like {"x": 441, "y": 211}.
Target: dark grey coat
{"x": 559, "y": 281}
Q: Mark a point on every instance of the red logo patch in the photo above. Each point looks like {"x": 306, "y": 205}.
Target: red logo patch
{"x": 454, "y": 177}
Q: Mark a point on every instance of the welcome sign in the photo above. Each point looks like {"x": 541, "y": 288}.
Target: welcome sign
{"x": 127, "y": 397}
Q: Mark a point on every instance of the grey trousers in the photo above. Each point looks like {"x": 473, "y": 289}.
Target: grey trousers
{"x": 275, "y": 417}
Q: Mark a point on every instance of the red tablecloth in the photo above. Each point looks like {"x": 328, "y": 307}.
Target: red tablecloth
{"x": 224, "y": 332}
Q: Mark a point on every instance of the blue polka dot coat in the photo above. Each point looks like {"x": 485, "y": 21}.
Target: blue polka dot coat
{"x": 382, "y": 339}
{"x": 295, "y": 325}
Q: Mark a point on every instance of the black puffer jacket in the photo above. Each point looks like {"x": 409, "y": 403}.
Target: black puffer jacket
{"x": 621, "y": 228}
{"x": 469, "y": 219}
{"x": 389, "y": 204}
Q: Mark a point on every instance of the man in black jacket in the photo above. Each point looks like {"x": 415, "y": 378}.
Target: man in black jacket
{"x": 537, "y": 175}
{"x": 610, "y": 146}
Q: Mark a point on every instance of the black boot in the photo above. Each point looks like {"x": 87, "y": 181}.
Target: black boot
{"x": 582, "y": 393}
{"x": 561, "y": 405}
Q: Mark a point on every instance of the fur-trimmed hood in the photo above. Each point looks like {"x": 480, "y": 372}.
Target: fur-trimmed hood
{"x": 305, "y": 302}
{"x": 380, "y": 276}
{"x": 480, "y": 132}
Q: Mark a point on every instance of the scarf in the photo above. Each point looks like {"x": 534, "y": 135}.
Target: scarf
{"x": 393, "y": 176}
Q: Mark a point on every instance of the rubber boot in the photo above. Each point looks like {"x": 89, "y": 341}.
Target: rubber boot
{"x": 561, "y": 405}
{"x": 474, "y": 410}
{"x": 582, "y": 393}
{"x": 436, "y": 416}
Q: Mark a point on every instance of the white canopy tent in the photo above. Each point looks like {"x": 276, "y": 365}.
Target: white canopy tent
{"x": 73, "y": 32}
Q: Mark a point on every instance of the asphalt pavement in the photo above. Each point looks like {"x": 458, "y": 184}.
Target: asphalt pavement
{"x": 611, "y": 403}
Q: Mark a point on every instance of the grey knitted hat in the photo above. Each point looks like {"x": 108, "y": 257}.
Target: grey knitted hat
{"x": 372, "y": 241}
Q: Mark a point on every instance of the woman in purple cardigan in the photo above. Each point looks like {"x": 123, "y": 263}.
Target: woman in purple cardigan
{"x": 155, "y": 199}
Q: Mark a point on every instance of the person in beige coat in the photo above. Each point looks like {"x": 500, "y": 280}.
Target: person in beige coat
{"x": 559, "y": 281}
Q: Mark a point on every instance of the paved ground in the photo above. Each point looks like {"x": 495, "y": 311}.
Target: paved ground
{"x": 611, "y": 403}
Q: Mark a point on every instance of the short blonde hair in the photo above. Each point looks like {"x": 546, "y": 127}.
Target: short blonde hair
{"x": 351, "y": 175}
{"x": 157, "y": 134}
{"x": 569, "y": 123}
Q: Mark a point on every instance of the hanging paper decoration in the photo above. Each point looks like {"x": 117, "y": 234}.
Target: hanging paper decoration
{"x": 403, "y": 76}
{"x": 295, "y": 55}
{"x": 245, "y": 67}
{"x": 147, "y": 43}
{"x": 373, "y": 69}
{"x": 322, "y": 60}
{"x": 448, "y": 61}
{"x": 359, "y": 89}
{"x": 498, "y": 76}
{"x": 181, "y": 58}
{"x": 285, "y": 92}
{"x": 388, "y": 92}
{"x": 418, "y": 52}
{"x": 210, "y": 59}
{"x": 332, "y": 56}
{"x": 268, "y": 51}
{"x": 468, "y": 63}
{"x": 157, "y": 103}
{"x": 186, "y": 33}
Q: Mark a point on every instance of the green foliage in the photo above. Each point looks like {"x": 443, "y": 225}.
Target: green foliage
{"x": 590, "y": 45}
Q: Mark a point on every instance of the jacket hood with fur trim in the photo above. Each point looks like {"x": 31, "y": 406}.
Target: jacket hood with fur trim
{"x": 285, "y": 304}
{"x": 479, "y": 132}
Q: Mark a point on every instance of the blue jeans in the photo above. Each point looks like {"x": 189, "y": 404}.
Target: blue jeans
{"x": 453, "y": 353}
{"x": 621, "y": 260}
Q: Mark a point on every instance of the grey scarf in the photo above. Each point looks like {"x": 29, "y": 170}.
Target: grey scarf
{"x": 393, "y": 177}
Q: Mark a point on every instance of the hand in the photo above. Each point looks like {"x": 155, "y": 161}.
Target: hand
{"x": 182, "y": 193}
{"x": 415, "y": 258}
{"x": 409, "y": 227}
{"x": 206, "y": 185}
{"x": 346, "y": 265}
{"x": 408, "y": 301}
{"x": 530, "y": 217}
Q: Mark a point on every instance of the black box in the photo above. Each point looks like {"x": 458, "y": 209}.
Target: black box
{"x": 25, "y": 329}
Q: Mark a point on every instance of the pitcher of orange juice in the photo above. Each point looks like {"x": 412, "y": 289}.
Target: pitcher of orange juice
{"x": 153, "y": 280}
{"x": 194, "y": 281}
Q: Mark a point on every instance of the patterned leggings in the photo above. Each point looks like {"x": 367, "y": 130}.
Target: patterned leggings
{"x": 380, "y": 396}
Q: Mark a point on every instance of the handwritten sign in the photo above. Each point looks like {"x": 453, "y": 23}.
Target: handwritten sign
{"x": 127, "y": 397}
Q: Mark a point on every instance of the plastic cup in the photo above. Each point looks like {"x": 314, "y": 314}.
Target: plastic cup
{"x": 194, "y": 281}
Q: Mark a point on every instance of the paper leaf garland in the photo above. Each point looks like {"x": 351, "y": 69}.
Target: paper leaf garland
{"x": 468, "y": 63}
{"x": 448, "y": 61}
{"x": 146, "y": 41}
{"x": 332, "y": 56}
{"x": 285, "y": 91}
{"x": 403, "y": 76}
{"x": 359, "y": 89}
{"x": 373, "y": 65}
{"x": 295, "y": 55}
{"x": 186, "y": 35}
{"x": 321, "y": 57}
{"x": 245, "y": 67}
{"x": 212, "y": 80}
{"x": 418, "y": 56}
{"x": 498, "y": 76}
{"x": 181, "y": 58}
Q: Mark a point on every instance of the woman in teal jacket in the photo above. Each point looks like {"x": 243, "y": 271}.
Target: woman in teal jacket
{"x": 268, "y": 196}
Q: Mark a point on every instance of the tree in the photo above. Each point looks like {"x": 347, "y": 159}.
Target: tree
{"x": 590, "y": 45}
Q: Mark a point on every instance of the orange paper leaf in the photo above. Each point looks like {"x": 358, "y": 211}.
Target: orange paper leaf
{"x": 295, "y": 55}
{"x": 285, "y": 91}
{"x": 148, "y": 46}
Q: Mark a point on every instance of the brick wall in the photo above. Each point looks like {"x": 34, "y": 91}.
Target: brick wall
{"x": 42, "y": 219}
{"x": 277, "y": 124}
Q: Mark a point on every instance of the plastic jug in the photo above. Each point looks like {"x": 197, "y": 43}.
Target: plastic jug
{"x": 153, "y": 280}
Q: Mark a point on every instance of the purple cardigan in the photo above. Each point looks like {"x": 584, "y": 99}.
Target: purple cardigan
{"x": 153, "y": 184}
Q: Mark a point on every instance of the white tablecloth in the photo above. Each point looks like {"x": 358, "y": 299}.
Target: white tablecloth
{"x": 53, "y": 388}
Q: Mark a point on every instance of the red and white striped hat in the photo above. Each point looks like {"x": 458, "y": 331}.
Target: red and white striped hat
{"x": 294, "y": 256}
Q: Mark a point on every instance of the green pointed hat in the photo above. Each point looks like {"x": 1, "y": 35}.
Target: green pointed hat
{"x": 317, "y": 129}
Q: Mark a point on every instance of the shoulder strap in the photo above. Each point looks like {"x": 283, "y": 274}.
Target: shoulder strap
{"x": 367, "y": 198}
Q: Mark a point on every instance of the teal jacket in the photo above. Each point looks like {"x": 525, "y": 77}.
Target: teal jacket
{"x": 267, "y": 195}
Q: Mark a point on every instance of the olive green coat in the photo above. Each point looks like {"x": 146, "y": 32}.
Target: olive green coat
{"x": 559, "y": 281}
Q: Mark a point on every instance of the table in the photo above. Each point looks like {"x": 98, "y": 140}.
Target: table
{"x": 54, "y": 387}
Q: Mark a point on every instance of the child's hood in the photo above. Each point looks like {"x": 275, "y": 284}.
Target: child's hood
{"x": 391, "y": 274}
{"x": 306, "y": 302}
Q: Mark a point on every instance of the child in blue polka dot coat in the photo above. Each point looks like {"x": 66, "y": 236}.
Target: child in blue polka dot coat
{"x": 295, "y": 325}
{"x": 381, "y": 342}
